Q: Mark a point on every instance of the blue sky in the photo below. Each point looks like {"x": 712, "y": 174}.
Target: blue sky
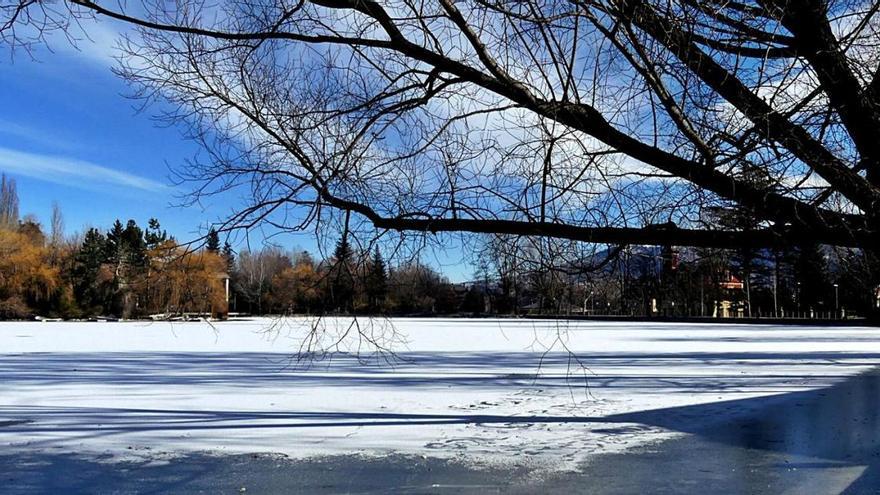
{"x": 69, "y": 134}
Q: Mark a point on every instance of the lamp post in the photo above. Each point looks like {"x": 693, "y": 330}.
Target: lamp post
{"x": 836, "y": 301}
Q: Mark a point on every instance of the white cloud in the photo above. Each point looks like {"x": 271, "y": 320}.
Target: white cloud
{"x": 96, "y": 43}
{"x": 89, "y": 41}
{"x": 72, "y": 172}
{"x": 37, "y": 136}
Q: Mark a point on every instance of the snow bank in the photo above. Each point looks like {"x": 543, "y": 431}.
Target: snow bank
{"x": 485, "y": 390}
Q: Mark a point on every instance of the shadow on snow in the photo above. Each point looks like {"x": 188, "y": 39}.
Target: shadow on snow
{"x": 755, "y": 445}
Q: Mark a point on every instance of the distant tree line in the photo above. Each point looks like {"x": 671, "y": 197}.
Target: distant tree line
{"x": 804, "y": 280}
{"x": 272, "y": 281}
{"x": 124, "y": 272}
{"x": 128, "y": 272}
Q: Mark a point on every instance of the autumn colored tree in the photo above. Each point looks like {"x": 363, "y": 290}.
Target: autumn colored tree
{"x": 417, "y": 288}
{"x": 180, "y": 281}
{"x": 296, "y": 288}
{"x": 26, "y": 277}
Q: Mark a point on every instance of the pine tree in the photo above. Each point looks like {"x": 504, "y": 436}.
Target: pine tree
{"x": 127, "y": 253}
{"x": 116, "y": 242}
{"x": 342, "y": 280}
{"x": 154, "y": 236}
{"x": 229, "y": 255}
{"x": 87, "y": 265}
{"x": 135, "y": 245}
{"x": 342, "y": 252}
{"x": 377, "y": 281}
{"x": 213, "y": 242}
{"x": 811, "y": 272}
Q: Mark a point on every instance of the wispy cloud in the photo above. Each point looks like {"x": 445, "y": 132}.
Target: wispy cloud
{"x": 90, "y": 44}
{"x": 42, "y": 137}
{"x": 72, "y": 172}
{"x": 96, "y": 43}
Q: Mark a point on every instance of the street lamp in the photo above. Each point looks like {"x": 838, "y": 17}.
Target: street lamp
{"x": 836, "y": 301}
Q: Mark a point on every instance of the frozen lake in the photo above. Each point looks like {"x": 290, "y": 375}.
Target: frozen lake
{"x": 492, "y": 396}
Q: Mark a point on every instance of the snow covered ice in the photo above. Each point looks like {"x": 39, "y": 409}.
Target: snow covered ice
{"x": 485, "y": 391}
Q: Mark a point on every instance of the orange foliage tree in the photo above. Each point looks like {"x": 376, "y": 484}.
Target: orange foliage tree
{"x": 296, "y": 289}
{"x": 179, "y": 281}
{"x": 27, "y": 278}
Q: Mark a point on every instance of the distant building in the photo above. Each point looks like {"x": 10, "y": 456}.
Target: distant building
{"x": 731, "y": 289}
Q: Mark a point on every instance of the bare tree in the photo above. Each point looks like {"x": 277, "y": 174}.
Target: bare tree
{"x": 8, "y": 202}
{"x": 602, "y": 121}
{"x": 255, "y": 272}
{"x": 56, "y": 236}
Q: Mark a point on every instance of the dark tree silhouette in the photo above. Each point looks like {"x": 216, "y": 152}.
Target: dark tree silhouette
{"x": 376, "y": 281}
{"x": 603, "y": 121}
{"x": 229, "y": 256}
{"x": 90, "y": 291}
{"x": 342, "y": 279}
{"x": 212, "y": 244}
{"x": 154, "y": 235}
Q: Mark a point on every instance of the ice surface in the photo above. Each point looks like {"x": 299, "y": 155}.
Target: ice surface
{"x": 489, "y": 391}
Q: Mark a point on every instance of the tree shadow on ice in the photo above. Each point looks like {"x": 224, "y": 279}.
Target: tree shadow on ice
{"x": 829, "y": 435}
{"x": 495, "y": 370}
{"x": 818, "y": 441}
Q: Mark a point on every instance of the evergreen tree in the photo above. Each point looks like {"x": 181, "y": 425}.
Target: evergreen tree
{"x": 126, "y": 247}
{"x": 811, "y": 273}
{"x": 135, "y": 245}
{"x": 213, "y": 242}
{"x": 229, "y": 255}
{"x": 747, "y": 262}
{"x": 342, "y": 279}
{"x": 342, "y": 252}
{"x": 474, "y": 301}
{"x": 377, "y": 282}
{"x": 116, "y": 242}
{"x": 154, "y": 236}
{"x": 127, "y": 254}
{"x": 857, "y": 278}
{"x": 87, "y": 287}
